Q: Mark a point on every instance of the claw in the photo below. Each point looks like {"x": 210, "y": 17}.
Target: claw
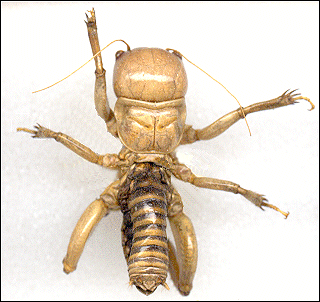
{"x": 90, "y": 19}
{"x": 285, "y": 92}
{"x": 297, "y": 96}
{"x": 263, "y": 203}
{"x": 92, "y": 12}
{"x": 293, "y": 91}
{"x": 165, "y": 285}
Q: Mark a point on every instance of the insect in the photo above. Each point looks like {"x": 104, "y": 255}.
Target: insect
{"x": 149, "y": 119}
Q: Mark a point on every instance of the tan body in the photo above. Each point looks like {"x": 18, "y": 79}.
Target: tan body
{"x": 149, "y": 119}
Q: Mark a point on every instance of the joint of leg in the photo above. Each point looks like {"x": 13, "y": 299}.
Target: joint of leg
{"x": 174, "y": 209}
{"x": 190, "y": 135}
{"x": 184, "y": 173}
{"x": 100, "y": 74}
{"x": 175, "y": 206}
{"x": 109, "y": 202}
{"x": 108, "y": 160}
{"x": 57, "y": 136}
{"x": 241, "y": 112}
{"x": 67, "y": 268}
{"x": 240, "y": 190}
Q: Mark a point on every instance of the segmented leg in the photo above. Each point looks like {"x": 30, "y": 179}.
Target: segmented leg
{"x": 107, "y": 160}
{"x": 183, "y": 173}
{"x": 100, "y": 91}
{"x": 173, "y": 264}
{"x": 222, "y": 124}
{"x": 94, "y": 40}
{"x": 91, "y": 216}
{"x": 184, "y": 267}
{"x": 110, "y": 196}
{"x": 89, "y": 219}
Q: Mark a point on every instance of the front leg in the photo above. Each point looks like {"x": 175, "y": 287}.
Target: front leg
{"x": 100, "y": 90}
{"x": 222, "y": 124}
{"x": 183, "y": 173}
{"x": 107, "y": 160}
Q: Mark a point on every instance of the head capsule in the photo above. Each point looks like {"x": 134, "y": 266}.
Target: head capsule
{"x": 149, "y": 74}
{"x": 150, "y": 84}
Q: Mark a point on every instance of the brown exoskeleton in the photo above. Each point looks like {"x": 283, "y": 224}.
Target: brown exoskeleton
{"x": 149, "y": 119}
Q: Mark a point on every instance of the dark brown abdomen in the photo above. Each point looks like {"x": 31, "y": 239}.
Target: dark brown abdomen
{"x": 143, "y": 198}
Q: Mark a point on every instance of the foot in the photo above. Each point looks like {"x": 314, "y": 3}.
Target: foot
{"x": 91, "y": 20}
{"x": 288, "y": 98}
{"x": 40, "y": 132}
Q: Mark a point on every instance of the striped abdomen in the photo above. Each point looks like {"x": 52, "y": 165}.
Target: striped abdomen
{"x": 144, "y": 227}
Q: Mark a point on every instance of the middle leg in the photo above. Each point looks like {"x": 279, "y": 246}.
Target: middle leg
{"x": 191, "y": 135}
{"x": 183, "y": 173}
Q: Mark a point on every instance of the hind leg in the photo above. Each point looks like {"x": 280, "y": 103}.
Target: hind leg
{"x": 88, "y": 220}
{"x": 184, "y": 266}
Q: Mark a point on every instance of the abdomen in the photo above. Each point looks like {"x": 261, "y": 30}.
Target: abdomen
{"x": 143, "y": 199}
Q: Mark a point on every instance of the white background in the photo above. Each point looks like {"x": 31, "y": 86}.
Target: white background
{"x": 257, "y": 50}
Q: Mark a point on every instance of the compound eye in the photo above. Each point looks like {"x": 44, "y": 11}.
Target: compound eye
{"x": 119, "y": 53}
